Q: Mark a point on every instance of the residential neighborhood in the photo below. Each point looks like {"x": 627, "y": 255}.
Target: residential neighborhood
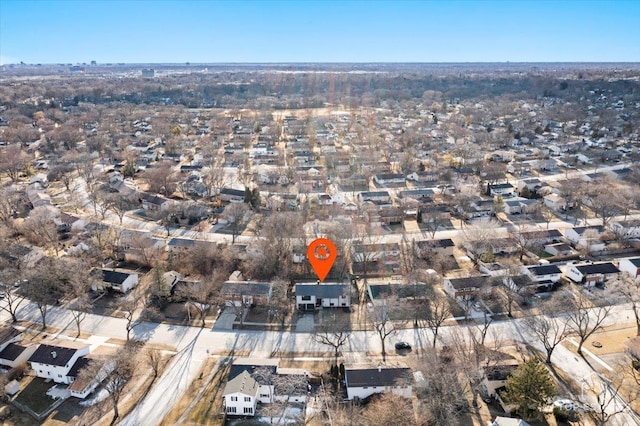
{"x": 153, "y": 259}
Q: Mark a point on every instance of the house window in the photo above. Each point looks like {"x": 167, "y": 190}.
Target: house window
{"x": 60, "y": 375}
{"x": 231, "y": 409}
{"x": 248, "y": 410}
{"x": 306, "y": 297}
{"x": 234, "y": 398}
{"x": 332, "y": 304}
{"x": 247, "y": 399}
{"x": 264, "y": 395}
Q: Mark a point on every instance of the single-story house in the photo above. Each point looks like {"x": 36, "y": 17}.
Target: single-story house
{"x": 540, "y": 273}
{"x": 377, "y": 197}
{"x": 631, "y": 266}
{"x": 246, "y": 293}
{"x": 389, "y": 179}
{"x": 154, "y": 202}
{"x": 464, "y": 286}
{"x": 379, "y": 293}
{"x": 504, "y": 189}
{"x": 426, "y": 248}
{"x": 586, "y": 236}
{"x": 555, "y": 202}
{"x": 559, "y": 249}
{"x": 232, "y": 195}
{"x": 118, "y": 280}
{"x": 310, "y": 296}
{"x": 628, "y": 228}
{"x": 520, "y": 206}
{"x": 591, "y": 274}
{"x": 364, "y": 382}
{"x": 494, "y": 377}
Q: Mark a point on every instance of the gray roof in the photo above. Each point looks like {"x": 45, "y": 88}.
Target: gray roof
{"x": 246, "y": 288}
{"x": 114, "y": 277}
{"x": 476, "y": 281}
{"x": 242, "y": 383}
{"x": 635, "y": 261}
{"x": 376, "y": 376}
{"x": 322, "y": 290}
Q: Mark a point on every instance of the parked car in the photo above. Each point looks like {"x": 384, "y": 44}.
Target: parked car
{"x": 403, "y": 346}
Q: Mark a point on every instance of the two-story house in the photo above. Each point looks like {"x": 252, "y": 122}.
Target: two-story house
{"x": 465, "y": 287}
{"x": 55, "y": 361}
{"x": 240, "y": 396}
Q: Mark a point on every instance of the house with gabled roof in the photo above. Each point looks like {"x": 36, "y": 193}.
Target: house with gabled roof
{"x": 631, "y": 266}
{"x": 591, "y": 274}
{"x": 117, "y": 279}
{"x": 463, "y": 287}
{"x": 246, "y": 293}
{"x": 56, "y": 360}
{"x": 240, "y": 396}
{"x": 364, "y": 381}
{"x": 587, "y": 237}
{"x": 311, "y": 296}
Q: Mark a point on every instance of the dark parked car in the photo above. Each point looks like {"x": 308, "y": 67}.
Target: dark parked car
{"x": 402, "y": 346}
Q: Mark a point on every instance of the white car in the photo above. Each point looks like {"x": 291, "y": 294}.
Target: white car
{"x": 566, "y": 404}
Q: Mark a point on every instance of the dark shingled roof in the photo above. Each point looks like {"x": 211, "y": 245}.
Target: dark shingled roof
{"x": 114, "y": 277}
{"x": 12, "y": 351}
{"x": 544, "y": 270}
{"x": 79, "y": 365}
{"x": 45, "y": 355}
{"x": 635, "y": 261}
{"x": 376, "y": 377}
{"x": 237, "y": 369}
{"x": 598, "y": 268}
{"x": 402, "y": 291}
{"x": 476, "y": 281}
{"x": 322, "y": 290}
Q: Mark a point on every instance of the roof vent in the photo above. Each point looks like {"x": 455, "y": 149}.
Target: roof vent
{"x": 54, "y": 354}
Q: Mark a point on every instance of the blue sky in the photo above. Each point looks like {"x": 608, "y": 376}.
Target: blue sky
{"x": 323, "y": 31}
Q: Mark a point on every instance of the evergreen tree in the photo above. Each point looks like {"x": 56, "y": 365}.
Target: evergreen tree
{"x": 530, "y": 387}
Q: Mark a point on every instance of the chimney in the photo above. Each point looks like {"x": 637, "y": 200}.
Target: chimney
{"x": 379, "y": 369}
{"x": 54, "y": 354}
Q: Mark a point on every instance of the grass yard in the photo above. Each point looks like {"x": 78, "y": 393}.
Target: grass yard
{"x": 34, "y": 395}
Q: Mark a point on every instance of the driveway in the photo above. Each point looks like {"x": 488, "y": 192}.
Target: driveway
{"x": 225, "y": 319}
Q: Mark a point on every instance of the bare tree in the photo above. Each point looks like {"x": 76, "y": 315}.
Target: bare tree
{"x": 9, "y": 205}
{"x": 47, "y": 284}
{"x": 612, "y": 395}
{"x": 115, "y": 372}
{"x": 153, "y": 358}
{"x": 280, "y": 304}
{"x": 12, "y": 161}
{"x": 437, "y": 315}
{"x": 201, "y": 294}
{"x": 214, "y": 178}
{"x": 602, "y": 201}
{"x": 161, "y": 179}
{"x": 81, "y": 279}
{"x": 333, "y": 333}
{"x": 12, "y": 297}
{"x": 129, "y": 306}
{"x": 584, "y": 319}
{"x": 380, "y": 320}
{"x": 120, "y": 204}
{"x": 40, "y": 228}
{"x": 549, "y": 331}
{"x": 476, "y": 237}
{"x": 237, "y": 215}
{"x": 629, "y": 288}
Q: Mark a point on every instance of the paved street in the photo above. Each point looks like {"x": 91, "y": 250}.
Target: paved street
{"x": 192, "y": 344}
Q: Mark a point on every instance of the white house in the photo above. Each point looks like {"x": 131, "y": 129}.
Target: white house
{"x": 310, "y": 296}
{"x": 154, "y": 202}
{"x": 555, "y": 202}
{"x": 631, "y": 266}
{"x": 364, "y": 382}
{"x": 504, "y": 189}
{"x": 627, "y": 228}
{"x": 81, "y": 388}
{"x": 12, "y": 351}
{"x": 541, "y": 273}
{"x": 464, "y": 286}
{"x": 591, "y": 274}
{"x": 588, "y": 237}
{"x": 121, "y": 281}
{"x": 240, "y": 396}
{"x": 55, "y": 362}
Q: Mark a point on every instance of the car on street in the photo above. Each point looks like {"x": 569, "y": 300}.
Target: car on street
{"x": 403, "y": 346}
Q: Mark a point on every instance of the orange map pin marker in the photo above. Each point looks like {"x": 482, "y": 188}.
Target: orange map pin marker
{"x": 321, "y": 254}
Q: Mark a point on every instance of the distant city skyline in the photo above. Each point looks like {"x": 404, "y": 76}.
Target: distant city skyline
{"x": 50, "y": 32}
